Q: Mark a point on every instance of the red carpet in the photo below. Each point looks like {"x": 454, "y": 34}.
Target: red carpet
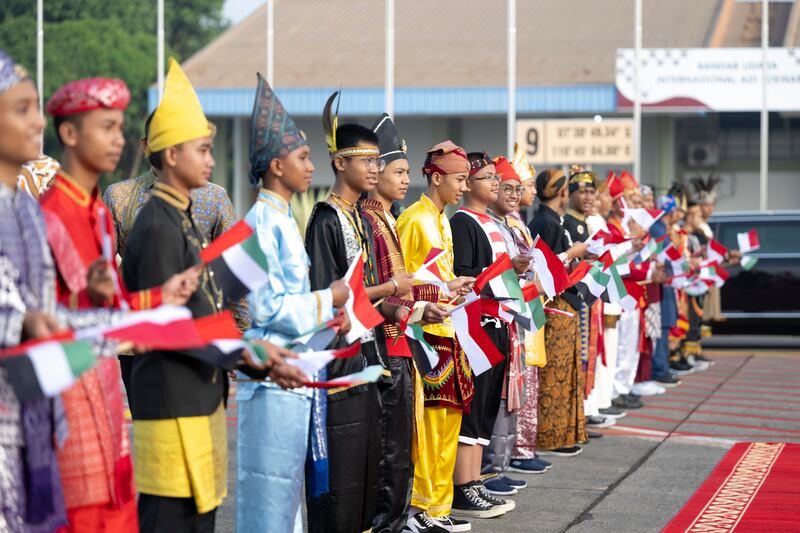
{"x": 756, "y": 487}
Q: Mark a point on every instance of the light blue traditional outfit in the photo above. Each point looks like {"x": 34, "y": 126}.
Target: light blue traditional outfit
{"x": 274, "y": 423}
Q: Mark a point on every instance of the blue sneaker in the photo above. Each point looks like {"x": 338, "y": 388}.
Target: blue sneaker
{"x": 526, "y": 466}
{"x": 498, "y": 487}
{"x": 546, "y": 464}
{"x": 518, "y": 484}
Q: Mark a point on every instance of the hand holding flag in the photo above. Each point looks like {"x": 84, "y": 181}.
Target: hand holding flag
{"x": 237, "y": 261}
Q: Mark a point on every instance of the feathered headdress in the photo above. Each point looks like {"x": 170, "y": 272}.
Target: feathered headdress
{"x": 330, "y": 124}
{"x": 704, "y": 188}
{"x": 520, "y": 164}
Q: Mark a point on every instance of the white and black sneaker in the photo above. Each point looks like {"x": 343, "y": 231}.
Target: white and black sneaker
{"x": 422, "y": 523}
{"x": 468, "y": 502}
{"x": 452, "y": 524}
{"x": 505, "y": 505}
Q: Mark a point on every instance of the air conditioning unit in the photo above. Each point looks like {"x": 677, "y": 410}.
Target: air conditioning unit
{"x": 702, "y": 155}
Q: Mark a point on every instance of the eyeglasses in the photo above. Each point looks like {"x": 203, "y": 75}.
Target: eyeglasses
{"x": 510, "y": 189}
{"x": 495, "y": 178}
{"x": 368, "y": 161}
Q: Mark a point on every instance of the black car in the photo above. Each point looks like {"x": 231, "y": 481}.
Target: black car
{"x": 765, "y": 299}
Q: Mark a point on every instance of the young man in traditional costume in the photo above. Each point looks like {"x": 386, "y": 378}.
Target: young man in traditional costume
{"x": 337, "y": 233}
{"x": 448, "y": 387}
{"x": 30, "y": 484}
{"x": 497, "y": 455}
{"x": 95, "y": 460}
{"x": 582, "y": 195}
{"x": 179, "y": 427}
{"x": 273, "y": 424}
{"x": 561, "y": 419}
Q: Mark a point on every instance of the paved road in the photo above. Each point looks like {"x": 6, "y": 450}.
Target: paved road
{"x": 646, "y": 467}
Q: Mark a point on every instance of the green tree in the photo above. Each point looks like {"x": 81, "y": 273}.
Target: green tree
{"x": 108, "y": 38}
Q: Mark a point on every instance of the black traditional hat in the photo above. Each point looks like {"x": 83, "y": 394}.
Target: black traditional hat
{"x": 273, "y": 133}
{"x": 391, "y": 146}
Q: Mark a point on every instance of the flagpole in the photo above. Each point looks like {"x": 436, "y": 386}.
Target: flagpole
{"x": 511, "y": 68}
{"x": 271, "y": 43}
{"x": 637, "y": 91}
{"x": 389, "y": 60}
{"x": 160, "y": 47}
{"x": 764, "y": 170}
{"x": 40, "y": 54}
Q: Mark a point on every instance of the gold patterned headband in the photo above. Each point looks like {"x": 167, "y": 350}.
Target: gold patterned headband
{"x": 356, "y": 151}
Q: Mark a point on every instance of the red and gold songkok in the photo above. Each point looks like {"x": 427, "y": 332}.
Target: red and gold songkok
{"x": 81, "y": 96}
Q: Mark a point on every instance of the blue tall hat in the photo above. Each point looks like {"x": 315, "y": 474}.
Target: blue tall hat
{"x": 273, "y": 133}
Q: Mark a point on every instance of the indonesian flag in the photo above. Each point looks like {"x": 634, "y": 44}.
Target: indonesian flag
{"x": 319, "y": 337}
{"x": 313, "y": 361}
{"x": 371, "y": 374}
{"x": 478, "y": 347}
{"x": 642, "y": 216}
{"x": 715, "y": 251}
{"x": 149, "y": 324}
{"x": 552, "y": 274}
{"x": 237, "y": 261}
{"x": 502, "y": 280}
{"x": 47, "y": 369}
{"x": 748, "y": 241}
{"x": 363, "y": 316}
{"x": 602, "y": 241}
{"x": 429, "y": 271}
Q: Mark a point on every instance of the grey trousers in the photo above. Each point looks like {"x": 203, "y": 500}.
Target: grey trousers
{"x": 497, "y": 455}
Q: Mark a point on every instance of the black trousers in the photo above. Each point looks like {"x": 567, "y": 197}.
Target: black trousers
{"x": 395, "y": 470}
{"x": 353, "y": 428}
{"x": 159, "y": 514}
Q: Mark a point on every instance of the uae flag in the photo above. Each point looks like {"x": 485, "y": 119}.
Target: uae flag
{"x": 47, "y": 369}
{"x": 617, "y": 291}
{"x": 478, "y": 347}
{"x": 429, "y": 271}
{"x": 237, "y": 261}
{"x": 592, "y": 282}
{"x": 319, "y": 337}
{"x": 425, "y": 356}
{"x": 552, "y": 274}
{"x": 313, "y": 362}
{"x": 715, "y": 251}
{"x": 642, "y": 216}
{"x": 748, "y": 241}
{"x": 502, "y": 280}
{"x": 500, "y": 310}
{"x": 748, "y": 262}
{"x": 363, "y": 316}
{"x": 371, "y": 374}
{"x": 535, "y": 309}
{"x": 652, "y": 247}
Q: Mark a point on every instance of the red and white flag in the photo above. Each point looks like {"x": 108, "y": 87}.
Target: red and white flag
{"x": 715, "y": 251}
{"x": 478, "y": 347}
{"x": 748, "y": 241}
{"x": 552, "y": 274}
{"x": 363, "y": 316}
{"x": 643, "y": 216}
{"x": 602, "y": 241}
{"x": 312, "y": 362}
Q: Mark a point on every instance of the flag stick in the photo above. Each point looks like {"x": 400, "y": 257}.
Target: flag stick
{"x": 379, "y": 302}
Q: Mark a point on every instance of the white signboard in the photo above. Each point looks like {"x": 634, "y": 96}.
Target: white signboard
{"x": 582, "y": 141}
{"x": 719, "y": 79}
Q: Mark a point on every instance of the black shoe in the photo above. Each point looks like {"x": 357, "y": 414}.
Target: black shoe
{"x": 627, "y": 403}
{"x": 634, "y": 401}
{"x": 613, "y": 412}
{"x": 505, "y": 505}
{"x": 561, "y": 452}
{"x": 422, "y": 523}
{"x": 668, "y": 381}
{"x": 452, "y": 524}
{"x": 594, "y": 435}
{"x": 599, "y": 422}
{"x": 681, "y": 367}
{"x": 634, "y": 396}
{"x": 704, "y": 359}
{"x": 467, "y": 502}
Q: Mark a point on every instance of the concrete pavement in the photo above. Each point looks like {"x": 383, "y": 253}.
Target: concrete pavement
{"x": 646, "y": 467}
